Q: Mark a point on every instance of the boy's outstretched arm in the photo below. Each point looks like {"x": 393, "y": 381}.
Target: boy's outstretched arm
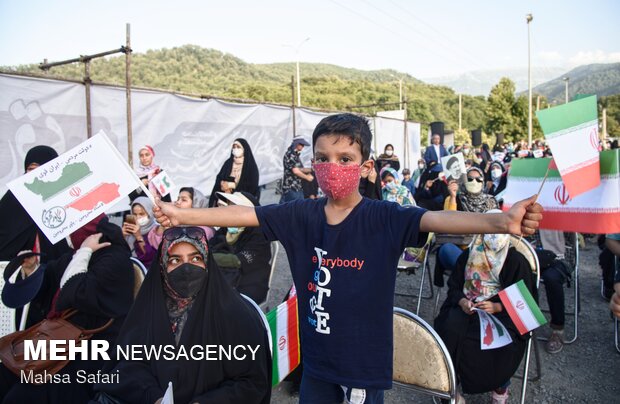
{"x": 229, "y": 216}
{"x": 522, "y": 218}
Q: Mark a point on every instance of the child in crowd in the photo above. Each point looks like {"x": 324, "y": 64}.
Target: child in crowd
{"x": 342, "y": 265}
{"x": 408, "y": 182}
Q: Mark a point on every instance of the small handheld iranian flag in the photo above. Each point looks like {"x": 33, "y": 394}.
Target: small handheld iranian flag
{"x": 572, "y": 133}
{"x": 521, "y": 307}
{"x": 284, "y": 324}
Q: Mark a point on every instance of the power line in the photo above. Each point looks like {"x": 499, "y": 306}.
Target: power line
{"x": 429, "y": 38}
{"x": 475, "y": 58}
{"x": 399, "y": 35}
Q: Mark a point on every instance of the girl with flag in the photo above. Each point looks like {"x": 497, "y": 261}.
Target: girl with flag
{"x": 487, "y": 267}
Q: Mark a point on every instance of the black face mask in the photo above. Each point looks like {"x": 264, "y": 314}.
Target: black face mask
{"x": 187, "y": 279}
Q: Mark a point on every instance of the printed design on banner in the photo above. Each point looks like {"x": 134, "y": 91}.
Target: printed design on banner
{"x": 26, "y": 123}
{"x": 54, "y": 217}
{"x": 100, "y": 195}
{"x": 561, "y": 195}
{"x": 71, "y": 174}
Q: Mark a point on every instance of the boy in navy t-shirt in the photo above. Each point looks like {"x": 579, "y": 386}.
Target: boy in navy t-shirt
{"x": 343, "y": 251}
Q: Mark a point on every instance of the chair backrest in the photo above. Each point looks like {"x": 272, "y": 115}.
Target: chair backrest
{"x": 419, "y": 254}
{"x": 526, "y": 249}
{"x": 263, "y": 318}
{"x": 421, "y": 360}
{"x": 139, "y": 271}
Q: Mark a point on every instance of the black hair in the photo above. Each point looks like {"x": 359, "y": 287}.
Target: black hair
{"x": 352, "y": 126}
{"x": 189, "y": 190}
{"x": 388, "y": 145}
{"x": 451, "y": 161}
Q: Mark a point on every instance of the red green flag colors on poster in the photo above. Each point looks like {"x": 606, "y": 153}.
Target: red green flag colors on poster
{"x": 521, "y": 307}
{"x": 571, "y": 130}
{"x": 284, "y": 325}
{"x": 594, "y": 211}
{"x": 69, "y": 191}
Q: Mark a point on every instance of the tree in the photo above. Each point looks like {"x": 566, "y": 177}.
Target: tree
{"x": 500, "y": 107}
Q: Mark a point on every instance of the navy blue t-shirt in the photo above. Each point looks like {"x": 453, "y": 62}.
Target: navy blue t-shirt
{"x": 345, "y": 275}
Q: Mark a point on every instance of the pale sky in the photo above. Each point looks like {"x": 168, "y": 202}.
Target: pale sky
{"x": 423, "y": 38}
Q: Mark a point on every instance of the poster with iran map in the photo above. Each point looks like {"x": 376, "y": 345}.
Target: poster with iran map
{"x": 66, "y": 193}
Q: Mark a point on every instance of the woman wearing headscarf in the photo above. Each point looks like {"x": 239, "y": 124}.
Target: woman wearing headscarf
{"x": 498, "y": 178}
{"x": 97, "y": 280}
{"x": 146, "y": 171}
{"x": 489, "y": 266}
{"x": 239, "y": 172}
{"x": 392, "y": 191}
{"x": 189, "y": 197}
{"x": 388, "y": 158}
{"x": 417, "y": 173}
{"x": 433, "y": 188}
{"x": 184, "y": 301}
{"x": 469, "y": 198}
{"x": 136, "y": 234}
{"x": 244, "y": 253}
{"x": 18, "y": 232}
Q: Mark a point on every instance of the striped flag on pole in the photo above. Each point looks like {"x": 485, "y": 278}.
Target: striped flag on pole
{"x": 521, "y": 307}
{"x": 596, "y": 211}
{"x": 284, "y": 324}
{"x": 572, "y": 133}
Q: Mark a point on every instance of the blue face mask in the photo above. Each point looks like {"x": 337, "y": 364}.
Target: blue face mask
{"x": 233, "y": 230}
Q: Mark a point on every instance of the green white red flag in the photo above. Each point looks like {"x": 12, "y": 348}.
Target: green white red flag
{"x": 66, "y": 193}
{"x": 521, "y": 307}
{"x": 284, "y": 325}
{"x": 595, "y": 211}
{"x": 571, "y": 130}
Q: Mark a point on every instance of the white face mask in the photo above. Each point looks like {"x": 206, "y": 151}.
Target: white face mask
{"x": 389, "y": 152}
{"x": 496, "y": 173}
{"x": 465, "y": 151}
{"x": 421, "y": 166}
{"x": 473, "y": 187}
{"x": 237, "y": 152}
{"x": 143, "y": 221}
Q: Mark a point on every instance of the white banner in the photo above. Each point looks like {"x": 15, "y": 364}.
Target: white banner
{"x": 191, "y": 137}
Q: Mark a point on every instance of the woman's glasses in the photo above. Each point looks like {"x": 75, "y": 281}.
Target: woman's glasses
{"x": 195, "y": 233}
{"x": 469, "y": 179}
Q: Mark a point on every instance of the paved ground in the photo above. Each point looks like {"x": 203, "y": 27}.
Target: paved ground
{"x": 587, "y": 371}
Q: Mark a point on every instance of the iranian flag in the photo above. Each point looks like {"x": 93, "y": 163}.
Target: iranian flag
{"x": 571, "y": 130}
{"x": 521, "y": 307}
{"x": 284, "y": 325}
{"x": 595, "y": 211}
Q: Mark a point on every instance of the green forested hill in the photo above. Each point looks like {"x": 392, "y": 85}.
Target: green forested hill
{"x": 208, "y": 72}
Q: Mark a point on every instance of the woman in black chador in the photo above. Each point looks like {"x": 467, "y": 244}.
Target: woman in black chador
{"x": 185, "y": 301}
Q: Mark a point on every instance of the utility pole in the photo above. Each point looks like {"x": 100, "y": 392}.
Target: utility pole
{"x": 293, "y": 105}
{"x": 460, "y": 111}
{"x": 566, "y": 89}
{"x": 128, "y": 95}
{"x": 538, "y": 103}
{"x": 529, "y": 19}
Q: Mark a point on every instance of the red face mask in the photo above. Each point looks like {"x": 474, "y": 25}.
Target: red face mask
{"x": 337, "y": 181}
